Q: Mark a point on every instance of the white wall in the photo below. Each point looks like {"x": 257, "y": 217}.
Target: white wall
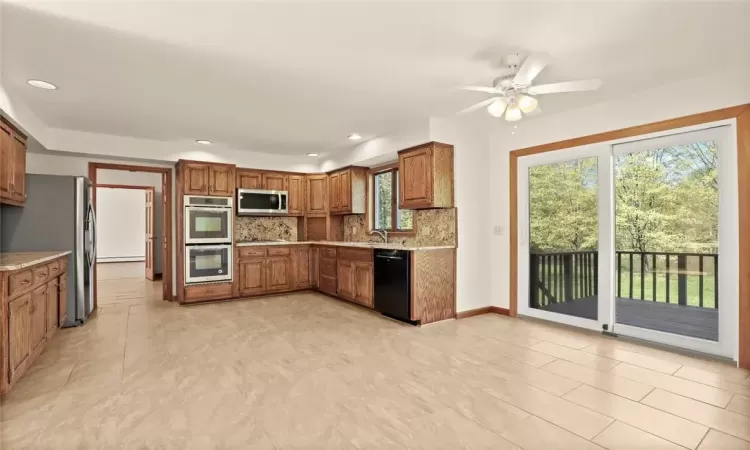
{"x": 665, "y": 102}
{"x": 106, "y": 176}
{"x": 121, "y": 218}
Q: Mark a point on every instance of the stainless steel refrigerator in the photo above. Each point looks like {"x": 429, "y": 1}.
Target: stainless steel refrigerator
{"x": 58, "y": 215}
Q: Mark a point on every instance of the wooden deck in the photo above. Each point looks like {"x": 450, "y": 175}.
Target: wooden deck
{"x": 690, "y": 321}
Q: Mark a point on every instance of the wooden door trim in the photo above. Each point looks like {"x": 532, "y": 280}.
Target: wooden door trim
{"x": 742, "y": 115}
{"x": 167, "y": 269}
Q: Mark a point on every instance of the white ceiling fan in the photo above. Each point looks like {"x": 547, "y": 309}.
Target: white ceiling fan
{"x": 514, "y": 90}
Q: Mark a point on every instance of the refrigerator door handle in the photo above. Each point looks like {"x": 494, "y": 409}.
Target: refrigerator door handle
{"x": 94, "y": 237}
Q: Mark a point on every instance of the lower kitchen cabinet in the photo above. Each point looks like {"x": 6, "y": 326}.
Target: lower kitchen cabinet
{"x": 301, "y": 267}
{"x": 35, "y": 300}
{"x": 252, "y": 276}
{"x": 345, "y": 279}
{"x": 363, "y": 276}
{"x": 279, "y": 273}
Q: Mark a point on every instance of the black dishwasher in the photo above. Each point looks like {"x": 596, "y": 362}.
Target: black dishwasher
{"x": 393, "y": 284}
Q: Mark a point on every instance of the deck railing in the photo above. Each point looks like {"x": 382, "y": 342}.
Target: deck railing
{"x": 669, "y": 277}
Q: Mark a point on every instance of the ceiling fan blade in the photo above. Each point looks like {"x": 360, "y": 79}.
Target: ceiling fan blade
{"x": 568, "y": 86}
{"x": 531, "y": 68}
{"x": 478, "y": 105}
{"x": 489, "y": 90}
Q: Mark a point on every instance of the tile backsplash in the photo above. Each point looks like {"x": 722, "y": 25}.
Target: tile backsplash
{"x": 265, "y": 229}
{"x": 434, "y": 227}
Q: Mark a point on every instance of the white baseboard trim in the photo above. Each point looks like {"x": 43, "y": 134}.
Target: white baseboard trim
{"x": 112, "y": 259}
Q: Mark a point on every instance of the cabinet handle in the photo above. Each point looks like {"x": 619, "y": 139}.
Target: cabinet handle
{"x": 25, "y": 282}
{"x": 55, "y": 269}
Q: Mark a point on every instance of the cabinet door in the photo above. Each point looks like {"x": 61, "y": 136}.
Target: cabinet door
{"x": 38, "y": 316}
{"x": 275, "y": 181}
{"x": 415, "y": 178}
{"x": 62, "y": 304}
{"x": 52, "y": 305}
{"x": 302, "y": 263}
{"x": 363, "y": 274}
{"x": 247, "y": 179}
{"x": 334, "y": 201}
{"x": 345, "y": 279}
{"x": 296, "y": 199}
{"x": 221, "y": 181}
{"x": 19, "y": 332}
{"x": 345, "y": 191}
{"x": 317, "y": 194}
{"x": 18, "y": 186}
{"x": 196, "y": 179}
{"x": 252, "y": 276}
{"x": 6, "y": 161}
{"x": 279, "y": 274}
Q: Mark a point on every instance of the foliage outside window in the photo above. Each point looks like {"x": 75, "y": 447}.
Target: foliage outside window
{"x": 386, "y": 212}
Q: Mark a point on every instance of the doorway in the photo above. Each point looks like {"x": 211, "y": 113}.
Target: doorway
{"x": 141, "y": 196}
{"x": 633, "y": 237}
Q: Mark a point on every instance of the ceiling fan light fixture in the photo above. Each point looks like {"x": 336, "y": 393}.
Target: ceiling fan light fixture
{"x": 497, "y": 108}
{"x": 527, "y": 103}
{"x": 513, "y": 113}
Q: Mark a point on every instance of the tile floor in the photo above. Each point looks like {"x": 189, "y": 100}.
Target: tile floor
{"x": 307, "y": 371}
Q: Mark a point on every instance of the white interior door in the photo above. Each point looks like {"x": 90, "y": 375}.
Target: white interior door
{"x": 564, "y": 222}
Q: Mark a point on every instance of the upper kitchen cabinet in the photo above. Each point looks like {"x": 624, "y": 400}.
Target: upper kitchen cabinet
{"x": 347, "y": 190}
{"x": 275, "y": 181}
{"x": 316, "y": 190}
{"x": 249, "y": 179}
{"x": 296, "y": 199}
{"x": 425, "y": 176}
{"x": 199, "y": 178}
{"x": 12, "y": 166}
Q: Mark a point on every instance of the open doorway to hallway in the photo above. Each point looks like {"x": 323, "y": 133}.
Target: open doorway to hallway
{"x": 133, "y": 207}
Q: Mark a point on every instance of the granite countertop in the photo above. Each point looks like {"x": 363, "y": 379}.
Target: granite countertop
{"x": 378, "y": 245}
{"x": 21, "y": 260}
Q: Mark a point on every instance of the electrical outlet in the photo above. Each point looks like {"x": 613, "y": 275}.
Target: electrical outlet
{"x": 498, "y": 230}
{"x": 426, "y": 230}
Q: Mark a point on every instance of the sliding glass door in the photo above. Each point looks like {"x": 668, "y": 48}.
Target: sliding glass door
{"x": 634, "y": 238}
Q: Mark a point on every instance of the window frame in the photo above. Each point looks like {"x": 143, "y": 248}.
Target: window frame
{"x": 393, "y": 169}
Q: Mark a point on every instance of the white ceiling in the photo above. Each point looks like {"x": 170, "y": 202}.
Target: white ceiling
{"x": 294, "y": 77}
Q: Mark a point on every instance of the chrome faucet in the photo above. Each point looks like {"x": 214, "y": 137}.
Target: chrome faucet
{"x": 382, "y": 233}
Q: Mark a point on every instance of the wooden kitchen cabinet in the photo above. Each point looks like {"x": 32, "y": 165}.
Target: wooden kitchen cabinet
{"x": 221, "y": 180}
{"x": 19, "y": 334}
{"x": 278, "y": 273}
{"x": 345, "y": 278}
{"x": 316, "y": 190}
{"x": 52, "y": 299}
{"x": 301, "y": 266}
{"x": 425, "y": 176}
{"x": 275, "y": 181}
{"x": 296, "y": 199}
{"x": 31, "y": 298}
{"x": 199, "y": 178}
{"x": 12, "y": 166}
{"x": 249, "y": 179}
{"x": 195, "y": 179}
{"x": 363, "y": 282}
{"x": 252, "y": 276}
{"x": 62, "y": 304}
{"x": 38, "y": 311}
{"x": 347, "y": 191}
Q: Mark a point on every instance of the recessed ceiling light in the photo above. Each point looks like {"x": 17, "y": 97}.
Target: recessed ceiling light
{"x": 42, "y": 84}
{"x": 203, "y": 142}
{"x": 355, "y": 137}
{"x": 312, "y": 154}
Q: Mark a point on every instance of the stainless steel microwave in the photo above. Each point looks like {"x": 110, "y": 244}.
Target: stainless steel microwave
{"x": 260, "y": 201}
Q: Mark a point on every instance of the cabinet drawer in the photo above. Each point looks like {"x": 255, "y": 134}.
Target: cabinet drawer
{"x": 251, "y": 252}
{"x": 208, "y": 292}
{"x": 63, "y": 264}
{"x": 328, "y": 252}
{"x": 19, "y": 282}
{"x": 328, "y": 284}
{"x": 356, "y": 254}
{"x": 328, "y": 267}
{"x": 54, "y": 269}
{"x": 279, "y": 251}
{"x": 41, "y": 274}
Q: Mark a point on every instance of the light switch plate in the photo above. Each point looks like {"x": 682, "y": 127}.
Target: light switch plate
{"x": 498, "y": 230}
